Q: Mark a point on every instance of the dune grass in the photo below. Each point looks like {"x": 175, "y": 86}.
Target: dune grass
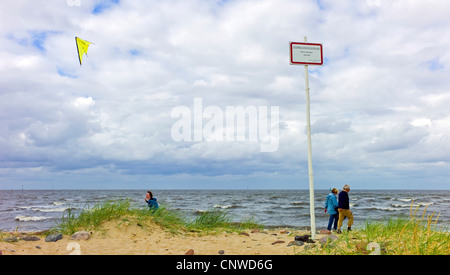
{"x": 92, "y": 218}
{"x": 418, "y": 235}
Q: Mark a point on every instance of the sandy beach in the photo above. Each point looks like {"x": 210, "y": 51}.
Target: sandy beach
{"x": 130, "y": 239}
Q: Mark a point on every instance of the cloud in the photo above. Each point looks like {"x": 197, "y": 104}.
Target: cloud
{"x": 330, "y": 126}
{"x": 378, "y": 103}
{"x": 396, "y": 136}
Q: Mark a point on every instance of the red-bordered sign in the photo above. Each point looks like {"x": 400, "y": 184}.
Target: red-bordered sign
{"x": 305, "y": 53}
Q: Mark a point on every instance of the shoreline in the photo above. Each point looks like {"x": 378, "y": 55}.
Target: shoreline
{"x": 114, "y": 228}
{"x": 125, "y": 237}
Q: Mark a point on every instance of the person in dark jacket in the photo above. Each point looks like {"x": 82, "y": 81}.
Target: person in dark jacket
{"x": 344, "y": 208}
{"x": 151, "y": 201}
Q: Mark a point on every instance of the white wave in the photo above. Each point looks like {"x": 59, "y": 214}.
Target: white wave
{"x": 27, "y": 219}
{"x": 406, "y": 200}
{"x": 422, "y": 204}
{"x": 222, "y": 206}
{"x": 60, "y": 209}
{"x": 58, "y": 203}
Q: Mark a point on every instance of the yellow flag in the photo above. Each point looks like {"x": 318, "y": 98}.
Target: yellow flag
{"x": 82, "y": 47}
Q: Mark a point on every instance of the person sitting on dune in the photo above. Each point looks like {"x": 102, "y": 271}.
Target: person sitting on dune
{"x": 151, "y": 201}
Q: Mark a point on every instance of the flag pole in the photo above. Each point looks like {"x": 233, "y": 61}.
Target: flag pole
{"x": 310, "y": 169}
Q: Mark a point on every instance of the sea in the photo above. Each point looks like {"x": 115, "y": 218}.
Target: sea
{"x": 37, "y": 210}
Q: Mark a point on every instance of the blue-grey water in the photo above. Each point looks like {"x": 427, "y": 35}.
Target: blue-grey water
{"x": 35, "y": 210}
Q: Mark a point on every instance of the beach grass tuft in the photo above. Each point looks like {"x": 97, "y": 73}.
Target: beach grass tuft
{"x": 210, "y": 220}
{"x": 92, "y": 217}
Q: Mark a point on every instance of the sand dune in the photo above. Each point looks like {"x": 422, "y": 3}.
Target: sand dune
{"x": 124, "y": 238}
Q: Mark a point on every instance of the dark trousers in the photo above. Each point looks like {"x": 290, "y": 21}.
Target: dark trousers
{"x": 333, "y": 219}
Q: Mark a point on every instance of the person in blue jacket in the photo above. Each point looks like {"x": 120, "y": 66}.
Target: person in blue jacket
{"x": 331, "y": 205}
{"x": 151, "y": 201}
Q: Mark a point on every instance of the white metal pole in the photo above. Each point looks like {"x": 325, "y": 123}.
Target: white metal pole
{"x": 310, "y": 169}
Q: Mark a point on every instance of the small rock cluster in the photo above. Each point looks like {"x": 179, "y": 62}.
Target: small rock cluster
{"x": 53, "y": 237}
{"x": 324, "y": 241}
{"x": 301, "y": 240}
{"x": 80, "y": 235}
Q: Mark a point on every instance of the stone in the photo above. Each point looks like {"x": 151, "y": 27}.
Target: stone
{"x": 38, "y": 247}
{"x": 12, "y": 239}
{"x": 80, "y": 235}
{"x": 325, "y": 232}
{"x": 303, "y": 238}
{"x": 53, "y": 237}
{"x": 189, "y": 252}
{"x": 30, "y": 238}
{"x": 329, "y": 238}
{"x": 221, "y": 252}
{"x": 244, "y": 233}
{"x": 276, "y": 242}
{"x": 296, "y": 243}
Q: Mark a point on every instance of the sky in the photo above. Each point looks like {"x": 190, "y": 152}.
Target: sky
{"x": 149, "y": 107}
